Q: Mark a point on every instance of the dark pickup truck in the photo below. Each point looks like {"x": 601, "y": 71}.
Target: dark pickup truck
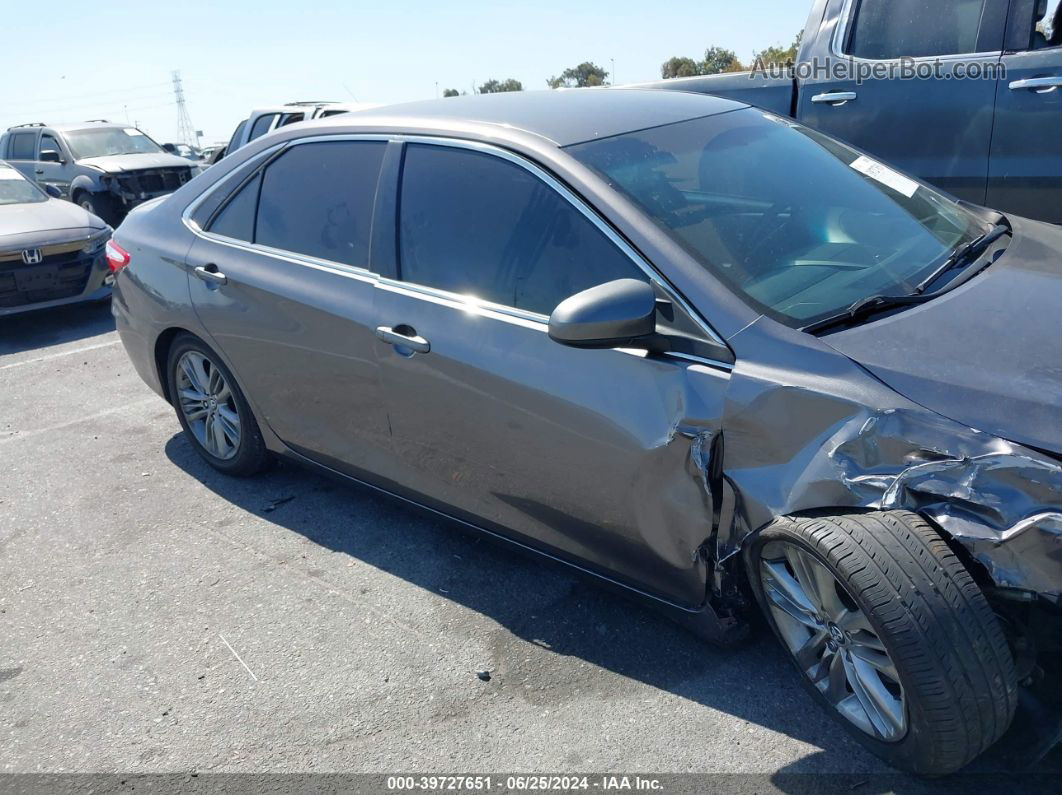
{"x": 965, "y": 94}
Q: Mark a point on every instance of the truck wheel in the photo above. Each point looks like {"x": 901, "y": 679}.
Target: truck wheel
{"x": 890, "y": 633}
{"x": 100, "y": 205}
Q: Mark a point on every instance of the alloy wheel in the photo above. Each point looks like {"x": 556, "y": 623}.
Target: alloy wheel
{"x": 208, "y": 405}
{"x": 833, "y": 641}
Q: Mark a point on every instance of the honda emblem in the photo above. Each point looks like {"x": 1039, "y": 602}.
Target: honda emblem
{"x": 32, "y": 256}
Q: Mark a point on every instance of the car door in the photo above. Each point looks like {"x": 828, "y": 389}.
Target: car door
{"x": 22, "y": 152}
{"x": 583, "y": 454}
{"x": 53, "y": 164}
{"x": 280, "y": 280}
{"x": 1025, "y": 173}
{"x": 924, "y": 101}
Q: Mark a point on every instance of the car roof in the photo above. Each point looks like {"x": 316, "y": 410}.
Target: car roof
{"x": 564, "y": 117}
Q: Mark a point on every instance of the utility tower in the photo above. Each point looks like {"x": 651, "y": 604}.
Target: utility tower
{"x": 185, "y": 128}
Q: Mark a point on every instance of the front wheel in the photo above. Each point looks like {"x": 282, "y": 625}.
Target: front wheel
{"x": 890, "y": 633}
{"x": 99, "y": 204}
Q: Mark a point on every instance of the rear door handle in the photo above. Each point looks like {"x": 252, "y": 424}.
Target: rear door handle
{"x": 1041, "y": 85}
{"x": 210, "y": 273}
{"x": 408, "y": 340}
{"x": 837, "y": 98}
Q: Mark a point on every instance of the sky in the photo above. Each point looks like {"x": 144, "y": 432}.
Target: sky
{"x": 235, "y": 55}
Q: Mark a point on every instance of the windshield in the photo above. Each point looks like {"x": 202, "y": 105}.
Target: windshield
{"x": 110, "y": 141}
{"x": 16, "y": 190}
{"x": 800, "y": 225}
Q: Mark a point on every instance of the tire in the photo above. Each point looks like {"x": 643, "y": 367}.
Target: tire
{"x": 194, "y": 369}
{"x": 100, "y": 205}
{"x": 906, "y": 606}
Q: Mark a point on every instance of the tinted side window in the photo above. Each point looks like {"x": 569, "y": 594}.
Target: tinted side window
{"x": 317, "y": 200}
{"x": 477, "y": 225}
{"x": 236, "y": 135}
{"x": 236, "y": 219}
{"x": 885, "y": 29}
{"x": 261, "y": 126}
{"x": 48, "y": 142}
{"x": 21, "y": 146}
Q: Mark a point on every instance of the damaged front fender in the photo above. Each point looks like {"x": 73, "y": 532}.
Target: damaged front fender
{"x": 794, "y": 446}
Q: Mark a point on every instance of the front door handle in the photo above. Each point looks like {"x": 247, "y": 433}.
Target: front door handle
{"x": 38, "y": 171}
{"x": 1040, "y": 85}
{"x": 405, "y": 337}
{"x": 835, "y": 98}
{"x": 210, "y": 273}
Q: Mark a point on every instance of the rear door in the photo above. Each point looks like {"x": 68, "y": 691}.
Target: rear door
{"x": 281, "y": 280}
{"x": 1025, "y": 174}
{"x": 22, "y": 152}
{"x": 580, "y": 453}
{"x": 924, "y": 101}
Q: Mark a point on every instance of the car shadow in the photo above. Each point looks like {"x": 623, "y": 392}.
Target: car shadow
{"x": 543, "y": 602}
{"x": 44, "y": 328}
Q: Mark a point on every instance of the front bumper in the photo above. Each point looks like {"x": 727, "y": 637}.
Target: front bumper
{"x": 85, "y": 279}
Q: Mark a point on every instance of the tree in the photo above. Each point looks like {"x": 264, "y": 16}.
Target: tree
{"x": 783, "y": 56}
{"x": 499, "y": 86}
{"x": 451, "y": 92}
{"x": 718, "y": 59}
{"x": 581, "y": 76}
{"x": 680, "y": 67}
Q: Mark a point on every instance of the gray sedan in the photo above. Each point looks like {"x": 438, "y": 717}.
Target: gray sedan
{"x": 689, "y": 347}
{"x": 51, "y": 251}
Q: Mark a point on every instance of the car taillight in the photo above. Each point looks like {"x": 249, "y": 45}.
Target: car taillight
{"x": 117, "y": 257}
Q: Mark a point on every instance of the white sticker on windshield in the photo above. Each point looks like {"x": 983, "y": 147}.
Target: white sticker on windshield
{"x": 886, "y": 176}
{"x": 9, "y": 173}
{"x": 132, "y": 131}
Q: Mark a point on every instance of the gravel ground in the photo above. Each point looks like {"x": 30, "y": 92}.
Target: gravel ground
{"x": 158, "y": 617}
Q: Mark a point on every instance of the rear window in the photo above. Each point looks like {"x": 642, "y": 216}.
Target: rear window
{"x": 888, "y": 29}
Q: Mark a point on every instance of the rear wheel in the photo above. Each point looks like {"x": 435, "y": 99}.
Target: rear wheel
{"x": 890, "y": 633}
{"x": 213, "y": 411}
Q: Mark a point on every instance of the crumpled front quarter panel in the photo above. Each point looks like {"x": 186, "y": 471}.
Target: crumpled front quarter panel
{"x": 816, "y": 432}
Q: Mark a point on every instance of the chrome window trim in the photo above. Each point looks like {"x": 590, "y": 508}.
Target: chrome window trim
{"x": 509, "y": 314}
{"x": 844, "y": 24}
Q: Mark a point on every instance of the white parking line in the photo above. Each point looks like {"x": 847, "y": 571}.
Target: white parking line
{"x": 60, "y": 354}
{"x": 238, "y": 657}
{"x": 16, "y": 435}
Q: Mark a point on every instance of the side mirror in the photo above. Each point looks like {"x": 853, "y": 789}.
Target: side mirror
{"x": 53, "y": 191}
{"x": 613, "y": 315}
{"x": 50, "y": 156}
{"x": 170, "y": 148}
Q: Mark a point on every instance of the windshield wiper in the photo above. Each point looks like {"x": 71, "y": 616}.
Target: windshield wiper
{"x": 865, "y": 307}
{"x": 965, "y": 255}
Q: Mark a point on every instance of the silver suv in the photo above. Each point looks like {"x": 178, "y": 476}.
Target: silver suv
{"x": 105, "y": 168}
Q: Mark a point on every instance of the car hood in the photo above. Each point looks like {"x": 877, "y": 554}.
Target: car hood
{"x": 113, "y": 164}
{"x": 22, "y": 224}
{"x": 987, "y": 354}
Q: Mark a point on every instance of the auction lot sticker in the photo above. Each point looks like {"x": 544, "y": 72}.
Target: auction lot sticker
{"x": 886, "y": 176}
